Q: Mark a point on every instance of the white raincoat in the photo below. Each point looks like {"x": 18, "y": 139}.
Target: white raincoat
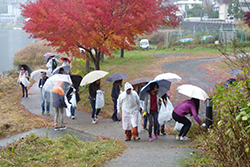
{"x": 130, "y": 105}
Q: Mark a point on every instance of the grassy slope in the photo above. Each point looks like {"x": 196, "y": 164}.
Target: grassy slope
{"x": 66, "y": 151}
{"x": 14, "y": 117}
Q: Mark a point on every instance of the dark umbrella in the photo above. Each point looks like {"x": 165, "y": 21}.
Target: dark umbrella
{"x": 140, "y": 81}
{"x": 26, "y": 68}
{"x": 76, "y": 80}
{"x": 117, "y": 77}
{"x": 164, "y": 86}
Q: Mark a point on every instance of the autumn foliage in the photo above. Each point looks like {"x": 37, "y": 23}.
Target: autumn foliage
{"x": 102, "y": 25}
{"x": 247, "y": 18}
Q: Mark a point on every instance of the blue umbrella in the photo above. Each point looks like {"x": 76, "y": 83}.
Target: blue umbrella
{"x": 164, "y": 86}
{"x": 117, "y": 77}
{"x": 234, "y": 72}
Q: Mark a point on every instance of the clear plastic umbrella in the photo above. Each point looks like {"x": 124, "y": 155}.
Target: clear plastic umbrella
{"x": 66, "y": 69}
{"x": 192, "y": 91}
{"x": 36, "y": 75}
{"x": 62, "y": 80}
{"x": 173, "y": 78}
{"x": 93, "y": 76}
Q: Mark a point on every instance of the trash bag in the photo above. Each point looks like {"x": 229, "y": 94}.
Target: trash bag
{"x": 99, "y": 102}
{"x": 165, "y": 113}
{"x": 139, "y": 123}
{"x": 178, "y": 126}
{"x": 73, "y": 100}
{"x": 230, "y": 81}
{"x": 68, "y": 112}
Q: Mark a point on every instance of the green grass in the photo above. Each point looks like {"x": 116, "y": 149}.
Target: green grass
{"x": 66, "y": 151}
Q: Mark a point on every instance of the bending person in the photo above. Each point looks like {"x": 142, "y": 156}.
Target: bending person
{"x": 129, "y": 102}
{"x": 186, "y": 107}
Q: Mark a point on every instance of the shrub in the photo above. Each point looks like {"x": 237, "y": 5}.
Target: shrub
{"x": 32, "y": 54}
{"x": 228, "y": 142}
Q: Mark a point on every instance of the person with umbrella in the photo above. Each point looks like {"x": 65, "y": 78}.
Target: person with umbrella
{"x": 52, "y": 63}
{"x": 42, "y": 81}
{"x": 76, "y": 79}
{"x": 128, "y": 102}
{"x": 94, "y": 79}
{"x": 116, "y": 78}
{"x": 23, "y": 79}
{"x": 151, "y": 106}
{"x": 66, "y": 61}
{"x": 93, "y": 87}
{"x": 186, "y": 107}
{"x": 58, "y": 103}
{"x": 116, "y": 90}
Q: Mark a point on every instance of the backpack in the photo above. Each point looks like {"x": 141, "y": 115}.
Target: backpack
{"x": 54, "y": 64}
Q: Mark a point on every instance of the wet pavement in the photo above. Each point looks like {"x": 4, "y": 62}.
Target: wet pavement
{"x": 163, "y": 151}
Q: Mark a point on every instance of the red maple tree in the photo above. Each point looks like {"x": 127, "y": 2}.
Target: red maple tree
{"x": 247, "y": 18}
{"x": 102, "y": 25}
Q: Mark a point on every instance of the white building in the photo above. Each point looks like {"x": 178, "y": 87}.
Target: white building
{"x": 188, "y": 4}
{"x": 223, "y": 9}
{"x": 244, "y": 5}
{"x": 14, "y": 11}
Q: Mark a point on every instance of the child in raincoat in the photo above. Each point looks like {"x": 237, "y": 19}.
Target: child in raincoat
{"x": 128, "y": 101}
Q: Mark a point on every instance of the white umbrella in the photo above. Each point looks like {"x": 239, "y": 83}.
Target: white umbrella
{"x": 36, "y": 75}
{"x": 192, "y": 91}
{"x": 93, "y": 76}
{"x": 174, "y": 78}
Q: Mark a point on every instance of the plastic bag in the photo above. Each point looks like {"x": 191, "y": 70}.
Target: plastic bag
{"x": 162, "y": 113}
{"x": 24, "y": 81}
{"x": 68, "y": 112}
{"x": 99, "y": 102}
{"x": 73, "y": 100}
{"x": 170, "y": 110}
{"x": 178, "y": 126}
{"x": 165, "y": 113}
{"x": 139, "y": 123}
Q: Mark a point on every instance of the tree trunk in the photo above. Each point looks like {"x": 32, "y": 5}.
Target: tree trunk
{"x": 87, "y": 68}
{"x": 102, "y": 57}
{"x": 122, "y": 53}
{"x": 97, "y": 60}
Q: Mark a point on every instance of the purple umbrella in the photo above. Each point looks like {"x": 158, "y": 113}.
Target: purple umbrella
{"x": 48, "y": 55}
{"x": 140, "y": 81}
{"x": 117, "y": 77}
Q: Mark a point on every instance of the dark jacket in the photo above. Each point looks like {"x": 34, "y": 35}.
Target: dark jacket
{"x": 58, "y": 97}
{"x": 93, "y": 87}
{"x": 42, "y": 82}
{"x": 70, "y": 93}
{"x": 115, "y": 92}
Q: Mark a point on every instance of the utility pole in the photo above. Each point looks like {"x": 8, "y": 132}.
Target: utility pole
{"x": 201, "y": 9}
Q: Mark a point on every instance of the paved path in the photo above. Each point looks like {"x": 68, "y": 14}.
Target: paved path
{"x": 140, "y": 153}
{"x": 161, "y": 152}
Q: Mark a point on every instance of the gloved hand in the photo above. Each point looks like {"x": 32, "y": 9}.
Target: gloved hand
{"x": 204, "y": 125}
{"x": 144, "y": 114}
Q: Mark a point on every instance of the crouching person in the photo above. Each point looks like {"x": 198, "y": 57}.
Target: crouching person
{"x": 128, "y": 102}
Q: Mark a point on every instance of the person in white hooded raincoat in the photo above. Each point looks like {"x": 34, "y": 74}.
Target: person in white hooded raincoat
{"x": 128, "y": 101}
